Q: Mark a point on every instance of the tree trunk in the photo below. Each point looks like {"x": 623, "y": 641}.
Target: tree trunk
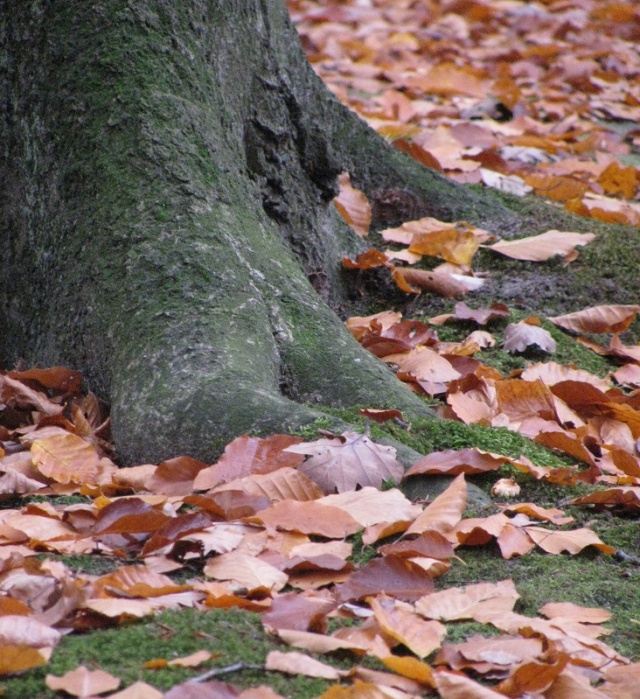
{"x": 166, "y": 179}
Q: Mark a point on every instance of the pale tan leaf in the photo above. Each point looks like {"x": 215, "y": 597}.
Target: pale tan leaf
{"x": 598, "y": 319}
{"x": 568, "y": 610}
{"x": 571, "y": 541}
{"x": 138, "y": 690}
{"x": 519, "y": 336}
{"x": 246, "y": 571}
{"x": 83, "y": 682}
{"x": 465, "y": 603}
{"x": 452, "y": 685}
{"x": 344, "y": 463}
{"x": 294, "y": 663}
{"x": 17, "y": 630}
{"x": 370, "y": 506}
{"x": 445, "y": 284}
{"x": 120, "y": 608}
{"x": 541, "y": 247}
{"x": 66, "y": 458}
{"x": 317, "y": 642}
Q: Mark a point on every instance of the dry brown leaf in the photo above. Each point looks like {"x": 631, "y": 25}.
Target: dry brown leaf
{"x": 542, "y": 247}
{"x": 420, "y": 636}
{"x": 410, "y": 667}
{"x": 444, "y": 512}
{"x": 519, "y": 336}
{"x": 571, "y": 541}
{"x": 245, "y": 456}
{"x": 446, "y": 284}
{"x": 15, "y": 659}
{"x": 353, "y": 206}
{"x": 66, "y": 458}
{"x": 452, "y": 685}
{"x": 598, "y": 319}
{"x": 370, "y": 506}
{"x": 469, "y": 602}
{"x": 17, "y": 630}
{"x": 294, "y": 663}
{"x": 347, "y": 461}
{"x": 284, "y": 484}
{"x": 83, "y": 682}
{"x": 308, "y": 517}
{"x": 246, "y": 571}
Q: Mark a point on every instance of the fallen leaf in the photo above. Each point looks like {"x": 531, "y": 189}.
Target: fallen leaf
{"x": 293, "y": 663}
{"x": 598, "y": 319}
{"x": 519, "y": 336}
{"x": 245, "y": 571}
{"x": 66, "y": 458}
{"x": 353, "y": 206}
{"x": 465, "y": 603}
{"x": 452, "y": 685}
{"x": 345, "y": 462}
{"x": 83, "y": 682}
{"x": 541, "y": 247}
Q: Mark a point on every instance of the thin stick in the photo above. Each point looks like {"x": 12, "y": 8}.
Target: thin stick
{"x": 216, "y": 671}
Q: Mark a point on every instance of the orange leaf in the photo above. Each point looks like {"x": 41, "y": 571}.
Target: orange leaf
{"x": 18, "y": 658}
{"x": 619, "y": 180}
{"x": 457, "y": 245}
{"x": 353, "y": 206}
{"x": 66, "y": 458}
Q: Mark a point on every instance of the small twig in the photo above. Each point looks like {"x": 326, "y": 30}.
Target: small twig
{"x": 236, "y": 667}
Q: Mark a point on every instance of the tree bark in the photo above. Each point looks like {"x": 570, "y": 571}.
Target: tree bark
{"x": 166, "y": 182}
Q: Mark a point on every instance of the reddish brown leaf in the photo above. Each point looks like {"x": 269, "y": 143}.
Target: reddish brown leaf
{"x": 175, "y": 476}
{"x": 392, "y": 575}
{"x": 247, "y": 455}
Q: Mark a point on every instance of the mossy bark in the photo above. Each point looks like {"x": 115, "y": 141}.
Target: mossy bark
{"x": 166, "y": 177}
